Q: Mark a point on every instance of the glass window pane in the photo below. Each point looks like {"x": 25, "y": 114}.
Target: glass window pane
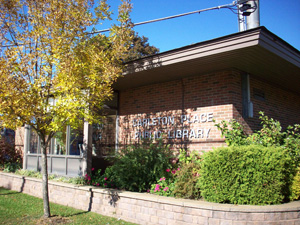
{"x": 59, "y": 143}
{"x": 76, "y": 141}
{"x": 33, "y": 143}
{"x": 104, "y": 136}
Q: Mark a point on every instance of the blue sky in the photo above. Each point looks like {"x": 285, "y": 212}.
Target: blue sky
{"x": 280, "y": 17}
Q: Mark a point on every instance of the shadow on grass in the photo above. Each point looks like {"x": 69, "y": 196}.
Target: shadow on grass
{"x": 11, "y": 193}
{"x": 72, "y": 214}
{"x": 7, "y": 192}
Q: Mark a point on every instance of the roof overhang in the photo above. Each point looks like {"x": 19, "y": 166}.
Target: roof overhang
{"x": 258, "y": 52}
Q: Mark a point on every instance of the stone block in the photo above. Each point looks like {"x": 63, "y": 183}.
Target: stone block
{"x": 225, "y": 222}
{"x": 239, "y": 223}
{"x": 168, "y": 207}
{"x": 178, "y": 209}
{"x": 290, "y": 222}
{"x": 219, "y": 214}
{"x": 125, "y": 200}
{"x": 131, "y": 214}
{"x": 292, "y": 215}
{"x": 169, "y": 215}
{"x": 161, "y": 213}
{"x": 143, "y": 203}
{"x": 172, "y": 222}
{"x": 196, "y": 212}
{"x": 257, "y": 217}
{"x": 154, "y": 219}
{"x": 123, "y": 205}
{"x": 142, "y": 217}
{"x": 202, "y": 220}
{"x": 156, "y": 205}
{"x": 136, "y": 208}
{"x": 213, "y": 221}
{"x": 178, "y": 216}
{"x": 195, "y": 219}
{"x": 97, "y": 201}
{"x": 144, "y": 210}
{"x": 206, "y": 213}
{"x": 188, "y": 210}
{"x": 274, "y": 216}
{"x": 242, "y": 216}
{"x": 187, "y": 218}
{"x": 152, "y": 212}
{"x": 162, "y": 221}
{"x": 231, "y": 215}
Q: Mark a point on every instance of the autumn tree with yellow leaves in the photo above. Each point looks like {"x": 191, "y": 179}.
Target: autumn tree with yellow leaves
{"x": 53, "y": 70}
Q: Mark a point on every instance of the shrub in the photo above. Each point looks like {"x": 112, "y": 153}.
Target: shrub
{"x": 29, "y": 173}
{"x": 165, "y": 185}
{"x": 246, "y": 175}
{"x": 37, "y": 174}
{"x": 186, "y": 185}
{"x": 139, "y": 166}
{"x": 10, "y": 158}
{"x": 295, "y": 187}
{"x": 95, "y": 178}
{"x": 270, "y": 134}
{"x": 233, "y": 132}
{"x": 12, "y": 166}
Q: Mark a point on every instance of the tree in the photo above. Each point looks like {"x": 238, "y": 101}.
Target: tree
{"x": 50, "y": 74}
{"x": 140, "y": 48}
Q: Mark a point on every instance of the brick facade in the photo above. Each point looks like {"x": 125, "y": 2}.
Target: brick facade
{"x": 179, "y": 94}
{"x": 279, "y": 103}
{"x": 157, "y": 109}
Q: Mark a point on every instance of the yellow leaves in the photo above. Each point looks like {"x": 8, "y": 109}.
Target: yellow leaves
{"x": 58, "y": 61}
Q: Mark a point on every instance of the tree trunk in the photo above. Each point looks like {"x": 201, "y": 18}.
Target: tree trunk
{"x": 45, "y": 180}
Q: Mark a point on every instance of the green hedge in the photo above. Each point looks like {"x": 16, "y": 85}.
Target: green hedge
{"x": 254, "y": 175}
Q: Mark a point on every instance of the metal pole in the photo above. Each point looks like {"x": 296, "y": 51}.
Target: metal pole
{"x": 241, "y": 20}
{"x": 253, "y": 20}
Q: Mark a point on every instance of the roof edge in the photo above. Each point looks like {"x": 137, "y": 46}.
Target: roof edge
{"x": 188, "y": 47}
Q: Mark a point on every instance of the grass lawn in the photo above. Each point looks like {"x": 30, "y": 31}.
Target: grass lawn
{"x": 19, "y": 208}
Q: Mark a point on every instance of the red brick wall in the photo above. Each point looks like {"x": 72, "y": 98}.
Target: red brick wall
{"x": 279, "y": 104}
{"x": 218, "y": 95}
{"x": 202, "y": 98}
{"x": 215, "y": 96}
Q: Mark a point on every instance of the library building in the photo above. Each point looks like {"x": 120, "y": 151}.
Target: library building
{"x": 179, "y": 96}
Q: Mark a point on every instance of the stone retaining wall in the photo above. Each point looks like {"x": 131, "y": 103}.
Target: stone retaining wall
{"x": 144, "y": 208}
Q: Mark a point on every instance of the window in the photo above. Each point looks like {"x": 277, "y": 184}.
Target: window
{"x": 66, "y": 142}
{"x": 58, "y": 143}
{"x": 34, "y": 142}
{"x": 75, "y": 141}
{"x": 105, "y": 134}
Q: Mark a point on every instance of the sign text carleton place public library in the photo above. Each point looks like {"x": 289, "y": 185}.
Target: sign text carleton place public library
{"x": 169, "y": 121}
